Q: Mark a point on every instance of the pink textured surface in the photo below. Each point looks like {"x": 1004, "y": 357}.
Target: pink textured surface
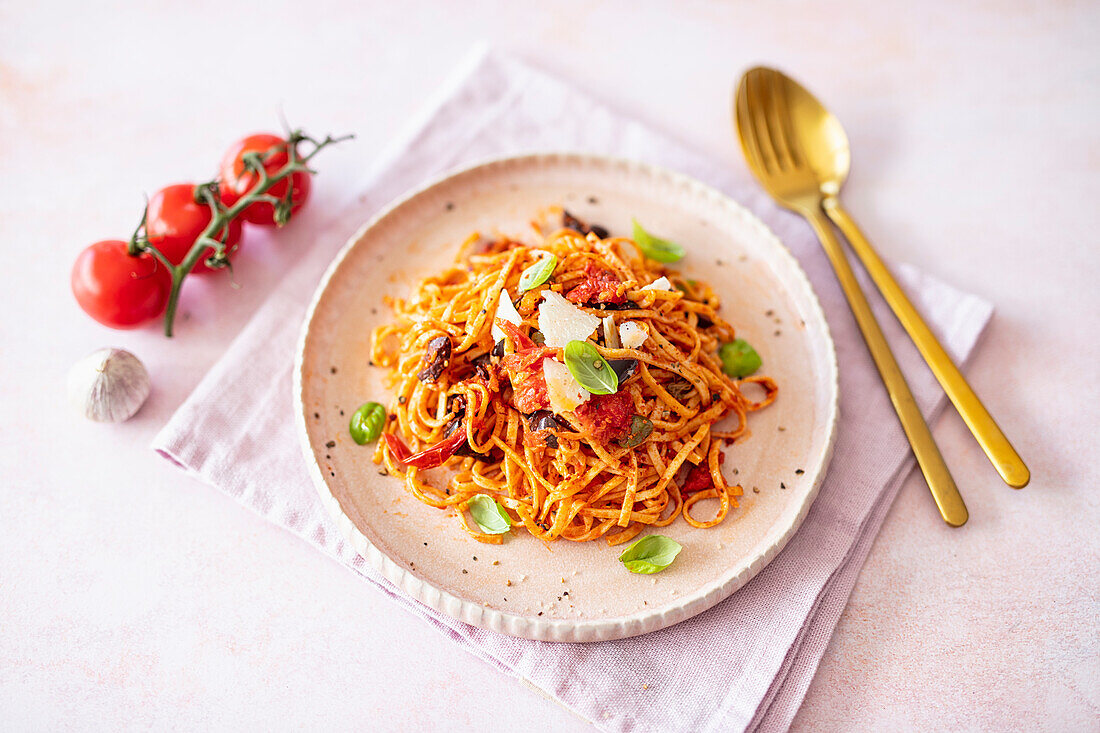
{"x": 131, "y": 595}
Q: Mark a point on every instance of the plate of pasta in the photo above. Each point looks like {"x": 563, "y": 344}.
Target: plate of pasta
{"x": 566, "y": 397}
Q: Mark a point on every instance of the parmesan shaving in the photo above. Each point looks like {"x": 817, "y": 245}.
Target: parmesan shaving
{"x": 507, "y": 312}
{"x": 561, "y": 322}
{"x": 610, "y": 335}
{"x": 660, "y": 283}
{"x": 561, "y": 388}
{"x": 632, "y": 335}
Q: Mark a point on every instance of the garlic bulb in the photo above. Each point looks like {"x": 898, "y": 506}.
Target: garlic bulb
{"x": 108, "y": 385}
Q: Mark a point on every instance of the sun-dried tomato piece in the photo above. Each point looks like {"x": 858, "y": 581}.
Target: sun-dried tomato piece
{"x": 599, "y": 286}
{"x": 699, "y": 478}
{"x": 605, "y": 417}
{"x": 524, "y": 369}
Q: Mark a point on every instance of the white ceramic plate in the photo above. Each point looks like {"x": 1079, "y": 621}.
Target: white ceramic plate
{"x": 568, "y": 591}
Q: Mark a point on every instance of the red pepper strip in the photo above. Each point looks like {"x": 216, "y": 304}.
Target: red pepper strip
{"x": 437, "y": 455}
{"x": 519, "y": 339}
{"x": 397, "y": 447}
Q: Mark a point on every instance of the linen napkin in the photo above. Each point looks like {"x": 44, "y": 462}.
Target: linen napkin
{"x": 747, "y": 662}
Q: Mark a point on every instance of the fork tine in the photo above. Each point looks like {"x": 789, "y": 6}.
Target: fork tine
{"x": 745, "y": 125}
{"x": 781, "y": 116}
{"x": 756, "y": 107}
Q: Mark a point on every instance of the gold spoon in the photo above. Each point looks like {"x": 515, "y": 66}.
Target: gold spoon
{"x": 819, "y": 134}
{"x": 765, "y": 106}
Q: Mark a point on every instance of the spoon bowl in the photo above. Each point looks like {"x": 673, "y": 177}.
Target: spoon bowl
{"x": 819, "y": 135}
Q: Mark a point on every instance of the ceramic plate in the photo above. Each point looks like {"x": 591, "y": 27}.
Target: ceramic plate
{"x": 565, "y": 591}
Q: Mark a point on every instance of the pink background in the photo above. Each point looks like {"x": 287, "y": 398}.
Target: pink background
{"x": 129, "y": 593}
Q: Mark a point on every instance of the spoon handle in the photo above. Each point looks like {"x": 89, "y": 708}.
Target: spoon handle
{"x": 942, "y": 486}
{"x": 989, "y": 435}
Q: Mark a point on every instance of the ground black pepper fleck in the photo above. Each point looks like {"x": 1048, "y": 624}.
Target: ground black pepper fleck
{"x": 328, "y": 457}
{"x": 777, "y": 332}
{"x": 718, "y": 262}
{"x": 425, "y": 544}
{"x": 316, "y": 416}
{"x": 769, "y": 313}
{"x": 782, "y": 485}
{"x": 332, "y": 473}
{"x": 341, "y": 413}
{"x": 465, "y": 572}
{"x": 330, "y": 444}
{"x": 799, "y": 471}
{"x": 755, "y": 490}
{"x": 450, "y": 205}
{"x": 475, "y": 558}
{"x": 593, "y": 200}
{"x": 333, "y": 369}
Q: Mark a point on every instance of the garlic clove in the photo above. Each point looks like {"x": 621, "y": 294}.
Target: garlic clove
{"x": 108, "y": 385}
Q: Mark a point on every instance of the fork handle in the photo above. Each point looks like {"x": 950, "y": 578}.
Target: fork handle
{"x": 985, "y": 429}
{"x": 944, "y": 490}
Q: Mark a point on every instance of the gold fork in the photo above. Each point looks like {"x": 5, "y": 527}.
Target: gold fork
{"x": 775, "y": 158}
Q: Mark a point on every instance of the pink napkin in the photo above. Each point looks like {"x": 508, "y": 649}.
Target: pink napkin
{"x": 746, "y": 663}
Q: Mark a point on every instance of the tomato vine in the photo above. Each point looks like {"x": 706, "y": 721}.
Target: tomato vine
{"x": 221, "y": 214}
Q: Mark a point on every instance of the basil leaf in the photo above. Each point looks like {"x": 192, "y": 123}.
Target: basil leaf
{"x": 739, "y": 359}
{"x": 655, "y": 248}
{"x": 650, "y": 554}
{"x": 538, "y": 273}
{"x": 590, "y": 369}
{"x": 489, "y": 514}
{"x": 367, "y": 423}
{"x": 640, "y": 428}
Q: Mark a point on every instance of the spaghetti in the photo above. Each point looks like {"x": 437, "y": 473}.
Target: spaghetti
{"x": 481, "y": 406}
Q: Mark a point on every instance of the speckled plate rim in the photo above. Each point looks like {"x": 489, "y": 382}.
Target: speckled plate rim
{"x": 568, "y": 630}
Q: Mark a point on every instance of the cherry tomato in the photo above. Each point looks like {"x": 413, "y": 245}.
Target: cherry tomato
{"x": 116, "y": 289}
{"x": 237, "y": 180}
{"x": 175, "y": 220}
